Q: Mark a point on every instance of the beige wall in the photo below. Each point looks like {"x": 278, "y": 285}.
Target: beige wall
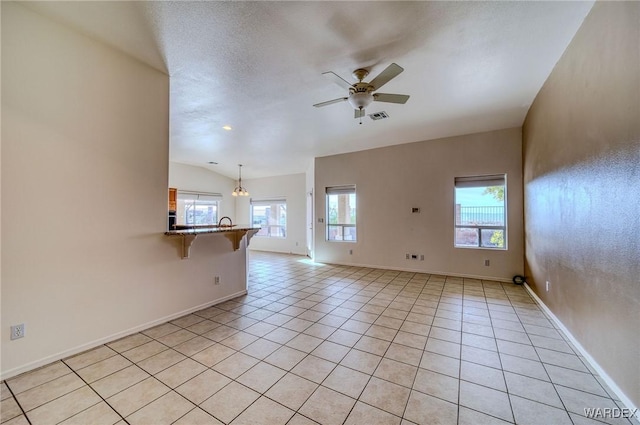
{"x": 85, "y": 142}
{"x": 310, "y": 209}
{"x": 582, "y": 191}
{"x": 290, "y": 187}
{"x": 390, "y": 181}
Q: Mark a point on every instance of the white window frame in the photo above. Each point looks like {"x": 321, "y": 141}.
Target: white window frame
{"x": 340, "y": 190}
{"x": 275, "y": 231}
{"x": 479, "y": 182}
{"x": 196, "y": 198}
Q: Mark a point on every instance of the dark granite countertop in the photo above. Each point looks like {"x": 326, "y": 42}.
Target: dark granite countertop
{"x": 198, "y": 230}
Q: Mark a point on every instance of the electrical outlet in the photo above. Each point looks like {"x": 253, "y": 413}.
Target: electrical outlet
{"x": 408, "y": 256}
{"x": 487, "y": 263}
{"x": 421, "y": 257}
{"x": 17, "y": 331}
{"x": 351, "y": 252}
{"x": 216, "y": 280}
{"x": 548, "y": 286}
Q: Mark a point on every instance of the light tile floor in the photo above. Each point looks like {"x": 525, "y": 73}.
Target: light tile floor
{"x": 330, "y": 345}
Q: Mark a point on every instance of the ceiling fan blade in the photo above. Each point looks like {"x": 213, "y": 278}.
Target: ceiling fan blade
{"x": 338, "y": 80}
{"x": 358, "y": 113}
{"x": 391, "y": 98}
{"x": 330, "y": 102}
{"x": 385, "y": 76}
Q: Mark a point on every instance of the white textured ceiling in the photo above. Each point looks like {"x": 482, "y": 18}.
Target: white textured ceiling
{"x": 256, "y": 66}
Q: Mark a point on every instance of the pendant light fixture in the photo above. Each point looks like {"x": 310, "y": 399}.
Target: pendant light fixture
{"x": 239, "y": 190}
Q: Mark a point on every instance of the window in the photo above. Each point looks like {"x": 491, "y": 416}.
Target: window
{"x": 271, "y": 216}
{"x": 197, "y": 208}
{"x": 341, "y": 213}
{"x": 480, "y": 212}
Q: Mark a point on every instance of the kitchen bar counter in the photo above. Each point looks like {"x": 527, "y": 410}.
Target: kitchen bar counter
{"x": 234, "y": 233}
{"x": 198, "y": 229}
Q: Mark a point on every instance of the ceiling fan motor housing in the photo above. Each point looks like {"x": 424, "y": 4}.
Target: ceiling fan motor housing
{"x": 360, "y": 74}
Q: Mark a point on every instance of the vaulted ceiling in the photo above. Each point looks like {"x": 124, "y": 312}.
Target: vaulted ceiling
{"x": 257, "y": 67}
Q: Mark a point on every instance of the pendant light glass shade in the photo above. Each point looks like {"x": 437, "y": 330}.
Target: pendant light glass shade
{"x": 239, "y": 190}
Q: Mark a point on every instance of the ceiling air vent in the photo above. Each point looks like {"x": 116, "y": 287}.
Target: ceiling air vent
{"x": 379, "y": 115}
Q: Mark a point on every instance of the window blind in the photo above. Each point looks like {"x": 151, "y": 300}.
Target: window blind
{"x": 480, "y": 181}
{"x": 184, "y": 195}
{"x": 341, "y": 190}
{"x": 270, "y": 201}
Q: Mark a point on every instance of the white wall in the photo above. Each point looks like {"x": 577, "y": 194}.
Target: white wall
{"x": 290, "y": 187}
{"x": 199, "y": 179}
{"x": 85, "y": 142}
{"x": 390, "y": 181}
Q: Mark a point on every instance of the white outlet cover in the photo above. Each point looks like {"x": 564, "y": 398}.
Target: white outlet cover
{"x": 17, "y": 331}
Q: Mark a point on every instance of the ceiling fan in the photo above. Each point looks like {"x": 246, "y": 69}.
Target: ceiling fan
{"x": 361, "y": 94}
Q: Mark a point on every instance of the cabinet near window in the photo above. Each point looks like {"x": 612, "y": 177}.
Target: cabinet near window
{"x": 173, "y": 199}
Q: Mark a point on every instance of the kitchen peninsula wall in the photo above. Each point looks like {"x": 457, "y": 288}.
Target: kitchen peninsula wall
{"x": 85, "y": 154}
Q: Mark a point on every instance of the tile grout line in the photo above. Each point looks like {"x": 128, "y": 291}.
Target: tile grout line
{"x": 320, "y": 384}
{"x": 550, "y": 381}
{"x": 382, "y": 357}
{"x": 17, "y": 402}
{"x": 489, "y": 312}
{"x": 546, "y": 372}
{"x": 504, "y": 379}
{"x": 460, "y": 351}
{"x": 136, "y": 364}
{"x": 424, "y": 351}
{"x": 263, "y": 394}
{"x": 554, "y": 384}
{"x": 498, "y": 351}
{"x": 353, "y": 347}
{"x": 338, "y": 363}
{"x": 310, "y": 354}
{"x": 92, "y": 389}
{"x": 502, "y": 370}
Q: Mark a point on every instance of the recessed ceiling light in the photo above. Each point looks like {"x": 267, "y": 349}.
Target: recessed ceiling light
{"x": 227, "y": 127}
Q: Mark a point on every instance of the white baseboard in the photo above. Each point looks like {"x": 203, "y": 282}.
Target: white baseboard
{"x": 408, "y": 269}
{"x": 302, "y": 252}
{"x": 84, "y": 347}
{"x": 605, "y": 377}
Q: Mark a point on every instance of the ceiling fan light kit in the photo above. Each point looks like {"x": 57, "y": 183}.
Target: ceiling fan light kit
{"x": 360, "y": 100}
{"x": 361, "y": 94}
